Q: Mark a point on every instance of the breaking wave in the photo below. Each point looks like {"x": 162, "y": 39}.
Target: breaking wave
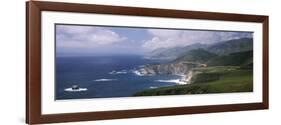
{"x": 153, "y": 87}
{"x": 138, "y": 73}
{"x": 75, "y": 90}
{"x": 104, "y": 80}
{"x": 177, "y": 81}
{"x": 118, "y": 72}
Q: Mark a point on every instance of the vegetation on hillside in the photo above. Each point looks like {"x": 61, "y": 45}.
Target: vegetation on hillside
{"x": 196, "y": 55}
{"x": 220, "y": 48}
{"x": 231, "y": 46}
{"x": 228, "y": 68}
{"x": 230, "y": 79}
{"x": 232, "y": 59}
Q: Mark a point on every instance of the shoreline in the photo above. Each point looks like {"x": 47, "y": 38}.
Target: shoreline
{"x": 184, "y": 80}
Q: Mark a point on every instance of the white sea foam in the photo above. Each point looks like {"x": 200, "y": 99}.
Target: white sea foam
{"x": 75, "y": 90}
{"x": 177, "y": 81}
{"x": 104, "y": 80}
{"x": 121, "y": 72}
{"x": 118, "y": 72}
{"x": 153, "y": 87}
{"x": 137, "y": 73}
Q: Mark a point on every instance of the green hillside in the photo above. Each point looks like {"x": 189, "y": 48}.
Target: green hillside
{"x": 197, "y": 55}
{"x": 231, "y": 46}
{"x": 233, "y": 59}
{"x": 175, "y": 52}
{"x": 230, "y": 79}
{"x": 219, "y": 48}
{"x": 229, "y": 69}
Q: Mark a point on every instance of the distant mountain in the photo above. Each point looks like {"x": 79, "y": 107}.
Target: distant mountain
{"x": 238, "y": 52}
{"x": 201, "y": 52}
{"x": 220, "y": 48}
{"x": 173, "y": 53}
{"x": 244, "y": 58}
{"x": 231, "y": 46}
{"x": 196, "y": 55}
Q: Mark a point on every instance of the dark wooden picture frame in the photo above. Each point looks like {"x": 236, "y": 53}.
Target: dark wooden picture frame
{"x": 33, "y": 61}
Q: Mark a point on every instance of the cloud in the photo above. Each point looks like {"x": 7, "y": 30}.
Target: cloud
{"x": 71, "y": 36}
{"x": 164, "y": 38}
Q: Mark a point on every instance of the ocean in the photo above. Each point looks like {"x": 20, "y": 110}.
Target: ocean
{"x": 105, "y": 77}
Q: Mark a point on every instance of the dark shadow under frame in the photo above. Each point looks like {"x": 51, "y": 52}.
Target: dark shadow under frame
{"x": 33, "y": 61}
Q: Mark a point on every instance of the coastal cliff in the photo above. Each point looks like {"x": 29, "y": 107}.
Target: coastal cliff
{"x": 182, "y": 68}
{"x": 177, "y": 68}
{"x": 222, "y": 67}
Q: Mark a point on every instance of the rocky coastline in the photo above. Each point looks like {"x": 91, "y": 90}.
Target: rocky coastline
{"x": 183, "y": 69}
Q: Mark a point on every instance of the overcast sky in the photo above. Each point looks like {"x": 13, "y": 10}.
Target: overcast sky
{"x": 74, "y": 40}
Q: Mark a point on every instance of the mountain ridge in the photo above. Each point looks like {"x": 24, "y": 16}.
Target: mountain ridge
{"x": 219, "y": 48}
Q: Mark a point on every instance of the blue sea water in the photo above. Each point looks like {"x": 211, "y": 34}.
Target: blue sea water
{"x": 105, "y": 76}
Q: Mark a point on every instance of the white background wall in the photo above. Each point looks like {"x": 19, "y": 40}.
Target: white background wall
{"x": 12, "y": 62}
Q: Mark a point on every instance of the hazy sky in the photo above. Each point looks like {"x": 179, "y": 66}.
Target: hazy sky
{"x": 74, "y": 40}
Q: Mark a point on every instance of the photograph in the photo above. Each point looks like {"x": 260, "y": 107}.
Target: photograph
{"x": 93, "y": 61}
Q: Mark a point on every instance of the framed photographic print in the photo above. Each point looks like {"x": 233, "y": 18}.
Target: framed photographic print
{"x": 94, "y": 62}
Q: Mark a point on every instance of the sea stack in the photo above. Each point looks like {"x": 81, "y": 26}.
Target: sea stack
{"x": 75, "y": 87}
